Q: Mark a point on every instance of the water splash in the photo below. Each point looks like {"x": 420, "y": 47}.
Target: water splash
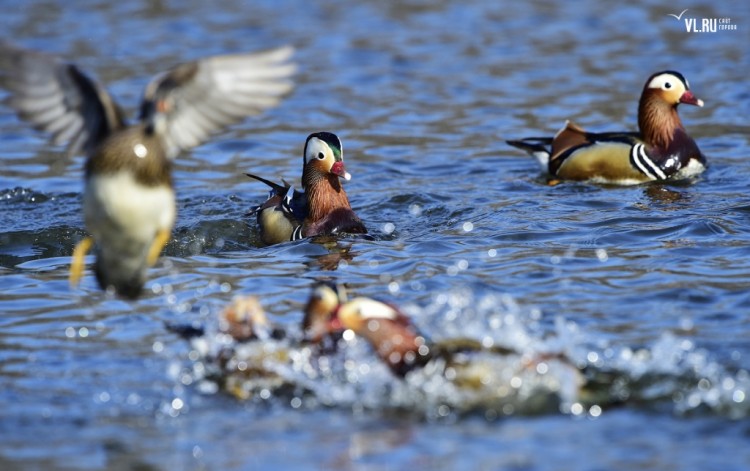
{"x": 519, "y": 367}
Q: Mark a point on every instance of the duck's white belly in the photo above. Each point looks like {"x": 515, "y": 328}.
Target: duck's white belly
{"x": 117, "y": 208}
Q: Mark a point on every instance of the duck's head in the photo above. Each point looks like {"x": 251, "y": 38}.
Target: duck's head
{"x": 324, "y": 301}
{"x": 244, "y": 319}
{"x": 324, "y": 155}
{"x": 364, "y": 316}
{"x": 670, "y": 87}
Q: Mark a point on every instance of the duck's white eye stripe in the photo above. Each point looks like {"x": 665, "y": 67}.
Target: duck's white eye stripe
{"x": 371, "y": 309}
{"x": 316, "y": 149}
{"x": 665, "y": 82}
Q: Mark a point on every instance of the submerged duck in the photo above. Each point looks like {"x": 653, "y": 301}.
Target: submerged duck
{"x": 246, "y": 363}
{"x": 321, "y": 209}
{"x": 129, "y": 200}
{"x": 661, "y": 150}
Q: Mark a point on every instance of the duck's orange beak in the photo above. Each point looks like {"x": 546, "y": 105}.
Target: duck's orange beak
{"x": 689, "y": 99}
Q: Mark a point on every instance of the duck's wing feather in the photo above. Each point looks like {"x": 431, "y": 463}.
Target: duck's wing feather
{"x": 196, "y": 99}
{"x": 58, "y": 98}
{"x": 285, "y": 196}
{"x": 537, "y": 147}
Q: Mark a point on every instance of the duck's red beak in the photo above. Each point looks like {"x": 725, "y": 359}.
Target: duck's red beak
{"x": 334, "y": 323}
{"x": 338, "y": 169}
{"x": 689, "y": 99}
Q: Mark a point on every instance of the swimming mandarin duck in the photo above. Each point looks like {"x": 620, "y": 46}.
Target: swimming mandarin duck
{"x": 661, "y": 150}
{"x": 472, "y": 375}
{"x": 129, "y": 201}
{"x": 321, "y": 209}
{"x": 322, "y": 303}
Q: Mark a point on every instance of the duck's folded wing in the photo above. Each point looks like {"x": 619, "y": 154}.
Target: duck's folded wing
{"x": 56, "y": 97}
{"x": 196, "y": 99}
{"x": 619, "y": 137}
{"x": 289, "y": 199}
{"x": 572, "y": 137}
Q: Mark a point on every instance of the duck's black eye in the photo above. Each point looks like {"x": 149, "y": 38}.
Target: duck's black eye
{"x": 667, "y": 85}
{"x": 321, "y": 156}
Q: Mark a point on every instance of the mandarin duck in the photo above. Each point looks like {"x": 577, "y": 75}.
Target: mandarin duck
{"x": 661, "y": 150}
{"x": 321, "y": 209}
{"x": 129, "y": 201}
{"x": 473, "y": 374}
{"x": 242, "y": 353}
{"x": 323, "y": 301}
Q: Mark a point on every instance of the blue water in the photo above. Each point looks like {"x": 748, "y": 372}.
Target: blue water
{"x": 651, "y": 282}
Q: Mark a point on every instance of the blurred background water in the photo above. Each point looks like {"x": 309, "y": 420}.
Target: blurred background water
{"x": 645, "y": 279}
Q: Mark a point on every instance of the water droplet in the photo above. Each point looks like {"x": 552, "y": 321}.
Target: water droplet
{"x": 393, "y": 287}
{"x": 595, "y": 411}
{"x": 70, "y": 332}
{"x": 157, "y": 347}
{"x": 83, "y": 332}
{"x": 468, "y": 226}
{"x": 415, "y": 210}
{"x": 389, "y": 227}
{"x": 140, "y": 150}
{"x": 177, "y": 404}
{"x": 450, "y": 374}
{"x": 296, "y": 403}
{"x": 492, "y": 253}
{"x": 601, "y": 254}
{"x": 576, "y": 409}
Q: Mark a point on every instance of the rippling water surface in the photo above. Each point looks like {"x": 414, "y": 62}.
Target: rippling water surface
{"x": 650, "y": 283}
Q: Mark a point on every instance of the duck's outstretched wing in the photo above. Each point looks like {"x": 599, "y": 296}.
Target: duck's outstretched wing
{"x": 196, "y": 99}
{"x": 58, "y": 98}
